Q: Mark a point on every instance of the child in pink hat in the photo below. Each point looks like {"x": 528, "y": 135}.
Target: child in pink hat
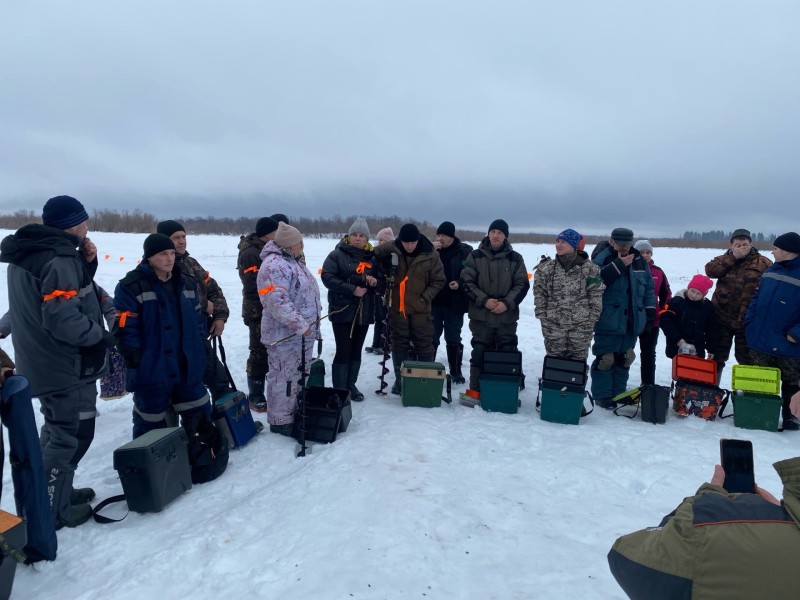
{"x": 688, "y": 321}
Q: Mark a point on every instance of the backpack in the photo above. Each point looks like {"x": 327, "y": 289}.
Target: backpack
{"x": 208, "y": 452}
{"x": 698, "y": 399}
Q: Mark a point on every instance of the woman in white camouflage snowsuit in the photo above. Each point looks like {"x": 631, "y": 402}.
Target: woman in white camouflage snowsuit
{"x": 568, "y": 298}
{"x": 289, "y": 294}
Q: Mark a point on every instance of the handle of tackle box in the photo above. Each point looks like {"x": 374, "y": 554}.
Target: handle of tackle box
{"x": 449, "y": 387}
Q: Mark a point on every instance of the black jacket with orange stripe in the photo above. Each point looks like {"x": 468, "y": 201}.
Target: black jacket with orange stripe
{"x": 56, "y": 314}
{"x": 248, "y": 263}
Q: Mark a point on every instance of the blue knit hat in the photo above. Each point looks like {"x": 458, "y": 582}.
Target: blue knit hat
{"x": 63, "y": 212}
{"x": 572, "y": 237}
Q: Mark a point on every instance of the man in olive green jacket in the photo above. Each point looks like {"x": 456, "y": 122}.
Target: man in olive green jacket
{"x": 717, "y": 545}
{"x": 495, "y": 281}
{"x": 417, "y": 279}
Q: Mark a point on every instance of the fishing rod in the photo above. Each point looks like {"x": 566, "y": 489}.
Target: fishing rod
{"x": 288, "y": 337}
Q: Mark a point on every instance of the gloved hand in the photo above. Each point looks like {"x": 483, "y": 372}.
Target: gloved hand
{"x": 651, "y": 319}
{"x": 108, "y": 340}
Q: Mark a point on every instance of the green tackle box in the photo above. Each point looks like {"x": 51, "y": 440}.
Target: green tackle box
{"x": 422, "y": 383}
{"x": 499, "y": 393}
{"x": 756, "y": 411}
{"x": 561, "y": 402}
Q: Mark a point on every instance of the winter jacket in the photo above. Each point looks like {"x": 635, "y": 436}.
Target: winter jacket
{"x": 660, "y": 289}
{"x": 55, "y": 310}
{"x": 694, "y": 321}
{"x": 628, "y": 300}
{"x": 345, "y": 269}
{"x": 716, "y": 546}
{"x": 569, "y": 300}
{"x": 453, "y": 258}
{"x": 208, "y": 287}
{"x": 736, "y": 282}
{"x": 161, "y": 328}
{"x": 501, "y": 275}
{"x": 418, "y": 278}
{"x": 250, "y": 247}
{"x": 774, "y": 311}
{"x": 289, "y": 295}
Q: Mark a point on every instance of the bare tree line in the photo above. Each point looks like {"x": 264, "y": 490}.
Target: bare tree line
{"x": 138, "y": 221}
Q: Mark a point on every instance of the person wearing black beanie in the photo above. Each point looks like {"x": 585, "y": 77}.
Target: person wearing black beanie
{"x": 280, "y": 218}
{"x": 248, "y": 264}
{"x": 772, "y": 321}
{"x": 415, "y": 280}
{"x": 215, "y": 307}
{"x": 495, "y": 280}
{"x": 450, "y": 303}
{"x": 164, "y": 372}
{"x": 155, "y": 243}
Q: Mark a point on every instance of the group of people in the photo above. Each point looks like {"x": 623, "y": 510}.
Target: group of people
{"x": 165, "y": 314}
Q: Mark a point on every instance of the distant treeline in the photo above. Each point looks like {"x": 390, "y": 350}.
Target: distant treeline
{"x": 137, "y": 221}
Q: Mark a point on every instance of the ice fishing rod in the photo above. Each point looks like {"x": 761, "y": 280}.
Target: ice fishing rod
{"x": 288, "y": 337}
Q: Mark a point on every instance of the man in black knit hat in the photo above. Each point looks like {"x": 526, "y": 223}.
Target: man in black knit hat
{"x": 495, "y": 281}
{"x": 418, "y": 279}
{"x": 212, "y": 300}
{"x": 450, "y": 303}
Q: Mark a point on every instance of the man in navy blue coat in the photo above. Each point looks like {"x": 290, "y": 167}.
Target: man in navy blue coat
{"x": 772, "y": 322}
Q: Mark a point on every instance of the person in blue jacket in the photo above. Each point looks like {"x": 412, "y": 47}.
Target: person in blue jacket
{"x": 628, "y": 310}
{"x": 772, "y": 321}
{"x": 160, "y": 325}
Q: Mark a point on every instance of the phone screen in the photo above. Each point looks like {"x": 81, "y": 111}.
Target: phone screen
{"x": 737, "y": 460}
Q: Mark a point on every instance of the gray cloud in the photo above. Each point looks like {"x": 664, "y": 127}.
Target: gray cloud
{"x": 666, "y": 117}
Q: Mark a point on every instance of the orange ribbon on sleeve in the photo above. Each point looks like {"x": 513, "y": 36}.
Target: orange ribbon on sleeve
{"x": 66, "y": 294}
{"x": 402, "y": 289}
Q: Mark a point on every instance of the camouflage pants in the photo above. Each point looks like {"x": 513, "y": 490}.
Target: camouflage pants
{"x": 283, "y": 378}
{"x": 566, "y": 343}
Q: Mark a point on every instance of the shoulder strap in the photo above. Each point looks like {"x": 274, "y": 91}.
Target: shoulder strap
{"x": 216, "y": 342}
{"x": 724, "y": 403}
{"x": 105, "y": 520}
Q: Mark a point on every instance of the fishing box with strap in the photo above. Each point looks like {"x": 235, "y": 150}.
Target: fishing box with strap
{"x": 154, "y": 469}
{"x": 233, "y": 418}
{"x": 687, "y": 367}
{"x": 651, "y": 401}
{"x": 562, "y": 390}
{"x": 422, "y": 383}
{"x": 703, "y": 400}
{"x": 757, "y": 402}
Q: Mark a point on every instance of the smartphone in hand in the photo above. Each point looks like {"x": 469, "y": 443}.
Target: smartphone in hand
{"x": 736, "y": 458}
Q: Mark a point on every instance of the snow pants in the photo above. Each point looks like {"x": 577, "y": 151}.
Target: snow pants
{"x": 610, "y": 368}
{"x": 486, "y": 337}
{"x": 157, "y": 407}
{"x": 65, "y": 437}
{"x": 567, "y": 343}
{"x": 284, "y": 377}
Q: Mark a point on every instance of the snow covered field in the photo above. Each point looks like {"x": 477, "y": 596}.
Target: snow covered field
{"x": 409, "y": 502}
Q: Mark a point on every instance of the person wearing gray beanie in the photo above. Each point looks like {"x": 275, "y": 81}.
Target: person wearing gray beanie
{"x": 287, "y": 237}
{"x": 648, "y": 340}
{"x": 352, "y": 276}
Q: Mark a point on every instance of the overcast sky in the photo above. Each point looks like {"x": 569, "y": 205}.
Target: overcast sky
{"x": 660, "y": 116}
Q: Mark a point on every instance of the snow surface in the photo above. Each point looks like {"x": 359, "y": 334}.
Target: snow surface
{"x": 449, "y": 502}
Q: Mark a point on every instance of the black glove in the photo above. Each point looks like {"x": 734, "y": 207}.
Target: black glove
{"x": 651, "y": 319}
{"x": 108, "y": 340}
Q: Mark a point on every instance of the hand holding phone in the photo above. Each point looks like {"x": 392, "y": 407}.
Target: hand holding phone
{"x": 736, "y": 458}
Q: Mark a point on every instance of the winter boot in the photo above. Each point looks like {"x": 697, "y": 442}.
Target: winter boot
{"x": 339, "y": 375}
{"x": 258, "y": 402}
{"x": 353, "y": 368}
{"x": 454, "y": 360}
{"x": 397, "y": 360}
{"x": 81, "y": 496}
{"x": 78, "y": 515}
{"x": 285, "y": 429}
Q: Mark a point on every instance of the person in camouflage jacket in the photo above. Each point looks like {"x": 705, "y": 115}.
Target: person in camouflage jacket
{"x": 717, "y": 545}
{"x": 211, "y": 297}
{"x": 248, "y": 263}
{"x": 738, "y": 273}
{"x": 568, "y": 297}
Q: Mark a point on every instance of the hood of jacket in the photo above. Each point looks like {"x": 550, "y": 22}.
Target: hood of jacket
{"x": 251, "y": 240}
{"x": 34, "y": 238}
